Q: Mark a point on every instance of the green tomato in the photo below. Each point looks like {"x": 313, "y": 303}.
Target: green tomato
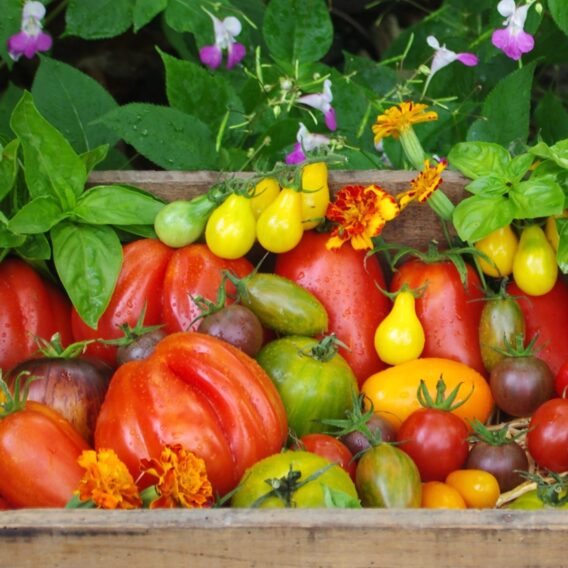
{"x": 530, "y": 500}
{"x": 311, "y": 387}
{"x": 231, "y": 229}
{"x": 180, "y": 223}
{"x": 329, "y": 486}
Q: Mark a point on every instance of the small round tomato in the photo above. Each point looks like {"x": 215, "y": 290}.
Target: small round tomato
{"x": 561, "y": 381}
{"x": 479, "y": 489}
{"x": 439, "y": 495}
{"x": 329, "y": 448}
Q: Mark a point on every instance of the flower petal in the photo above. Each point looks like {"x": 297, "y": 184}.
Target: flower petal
{"x": 235, "y": 54}
{"x": 468, "y": 59}
{"x": 330, "y": 120}
{"x": 296, "y": 156}
{"x": 34, "y": 10}
{"x": 211, "y": 56}
{"x": 232, "y": 25}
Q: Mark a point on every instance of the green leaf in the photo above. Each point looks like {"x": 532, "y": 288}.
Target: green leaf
{"x": 479, "y": 159}
{"x": 35, "y": 247}
{"x": 51, "y": 166}
{"x": 562, "y": 254}
{"x": 37, "y": 216}
{"x": 9, "y": 24}
{"x": 98, "y": 20}
{"x": 168, "y": 137}
{"x": 551, "y": 118}
{"x": 8, "y": 167}
{"x": 88, "y": 260}
{"x": 506, "y": 110}
{"x": 189, "y": 16}
{"x": 519, "y": 166}
{"x": 8, "y": 239}
{"x": 557, "y": 153}
{"x": 537, "y": 198}
{"x": 488, "y": 186}
{"x": 94, "y": 157}
{"x": 146, "y": 10}
{"x": 8, "y": 100}
{"x": 337, "y": 499}
{"x": 476, "y": 216}
{"x": 72, "y": 101}
{"x": 117, "y": 205}
{"x": 298, "y": 30}
{"x": 378, "y": 79}
{"x": 559, "y": 12}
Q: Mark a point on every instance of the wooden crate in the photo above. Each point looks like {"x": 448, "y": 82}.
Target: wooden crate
{"x": 231, "y": 538}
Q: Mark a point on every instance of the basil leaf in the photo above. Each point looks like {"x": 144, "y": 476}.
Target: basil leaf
{"x": 35, "y": 247}
{"x": 8, "y": 239}
{"x": 562, "y": 254}
{"x": 477, "y": 159}
{"x": 476, "y": 216}
{"x": 8, "y": 167}
{"x": 537, "y": 198}
{"x": 37, "y": 216}
{"x": 51, "y": 166}
{"x": 488, "y": 186}
{"x": 557, "y": 153}
{"x": 125, "y": 232}
{"x": 88, "y": 260}
{"x": 94, "y": 157}
{"x": 519, "y": 166}
{"x": 117, "y": 205}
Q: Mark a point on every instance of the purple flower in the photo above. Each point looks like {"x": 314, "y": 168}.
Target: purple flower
{"x": 31, "y": 39}
{"x": 322, "y": 102}
{"x": 306, "y": 141}
{"x": 513, "y": 40}
{"x": 225, "y": 33}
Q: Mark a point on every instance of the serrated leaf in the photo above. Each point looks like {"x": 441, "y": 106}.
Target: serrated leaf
{"x": 88, "y": 260}
{"x": 72, "y": 101}
{"x": 298, "y": 30}
{"x": 559, "y": 12}
{"x": 146, "y": 10}
{"x": 37, "y": 216}
{"x": 479, "y": 159}
{"x": 168, "y": 137}
{"x": 98, "y": 20}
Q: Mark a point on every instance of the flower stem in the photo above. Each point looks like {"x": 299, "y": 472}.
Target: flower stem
{"x": 441, "y": 205}
{"x": 412, "y": 148}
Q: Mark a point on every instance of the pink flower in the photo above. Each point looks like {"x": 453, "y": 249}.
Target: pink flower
{"x": 31, "y": 39}
{"x": 513, "y": 40}
{"x": 322, "y": 102}
{"x": 306, "y": 142}
{"x": 225, "y": 33}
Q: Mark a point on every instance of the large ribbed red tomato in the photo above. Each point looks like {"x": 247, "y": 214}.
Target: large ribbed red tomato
{"x": 344, "y": 282}
{"x": 198, "y": 391}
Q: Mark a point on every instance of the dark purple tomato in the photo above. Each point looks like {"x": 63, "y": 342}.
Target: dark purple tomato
{"x": 140, "y": 348}
{"x": 235, "y": 324}
{"x": 357, "y": 441}
{"x": 503, "y": 461}
{"x": 521, "y": 384}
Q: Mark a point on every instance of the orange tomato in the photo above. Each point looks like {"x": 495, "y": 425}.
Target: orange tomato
{"x": 393, "y": 391}
{"x": 439, "y": 495}
{"x": 479, "y": 488}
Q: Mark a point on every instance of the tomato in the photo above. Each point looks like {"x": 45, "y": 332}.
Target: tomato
{"x": 254, "y": 490}
{"x": 439, "y": 495}
{"x": 31, "y": 307}
{"x": 279, "y": 227}
{"x": 387, "y": 477}
{"x": 231, "y": 229}
{"x": 329, "y": 448}
{"x": 341, "y": 280}
{"x": 200, "y": 392}
{"x": 313, "y": 385}
{"x": 535, "y": 269}
{"x": 450, "y": 313}
{"x": 139, "y": 347}
{"x": 264, "y": 193}
{"x": 400, "y": 336}
{"x": 547, "y": 437}
{"x": 4, "y": 505}
{"x": 479, "y": 489}
{"x": 561, "y": 381}
{"x": 315, "y": 194}
{"x": 393, "y": 392}
{"x": 544, "y": 316}
{"x": 38, "y": 455}
{"x": 500, "y": 247}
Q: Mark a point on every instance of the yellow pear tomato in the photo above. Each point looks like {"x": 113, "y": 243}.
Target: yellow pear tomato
{"x": 315, "y": 194}
{"x": 264, "y": 193}
{"x": 500, "y": 247}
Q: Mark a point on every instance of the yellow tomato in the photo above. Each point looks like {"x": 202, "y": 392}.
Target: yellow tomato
{"x": 315, "y": 194}
{"x": 400, "y": 336}
{"x": 393, "y": 391}
{"x": 500, "y": 247}
{"x": 535, "y": 268}
{"x": 265, "y": 192}
{"x": 439, "y": 495}
{"x": 479, "y": 488}
{"x": 551, "y": 230}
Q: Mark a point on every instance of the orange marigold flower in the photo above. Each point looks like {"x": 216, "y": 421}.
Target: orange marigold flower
{"x": 107, "y": 481}
{"x": 399, "y": 118}
{"x": 360, "y": 213}
{"x": 182, "y": 479}
{"x": 422, "y": 186}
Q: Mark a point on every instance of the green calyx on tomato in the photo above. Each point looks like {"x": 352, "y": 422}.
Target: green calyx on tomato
{"x": 131, "y": 333}
{"x": 326, "y": 349}
{"x": 551, "y": 488}
{"x": 441, "y": 402}
{"x": 53, "y": 348}
{"x": 16, "y": 401}
{"x": 493, "y": 436}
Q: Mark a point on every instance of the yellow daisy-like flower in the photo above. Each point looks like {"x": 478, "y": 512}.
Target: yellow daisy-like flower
{"x": 181, "y": 479}
{"x": 396, "y": 119}
{"x": 360, "y": 213}
{"x": 107, "y": 481}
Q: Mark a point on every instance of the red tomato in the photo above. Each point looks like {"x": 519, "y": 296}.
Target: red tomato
{"x": 38, "y": 457}
{"x": 4, "y": 505}
{"x": 449, "y": 312}
{"x": 198, "y": 391}
{"x": 330, "y": 448}
{"x": 344, "y": 282}
{"x": 436, "y": 440}
{"x": 156, "y": 276}
{"x": 31, "y": 307}
{"x": 546, "y": 315}
{"x": 547, "y": 437}
{"x": 561, "y": 381}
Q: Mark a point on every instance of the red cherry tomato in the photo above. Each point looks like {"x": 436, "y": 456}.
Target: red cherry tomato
{"x": 561, "y": 381}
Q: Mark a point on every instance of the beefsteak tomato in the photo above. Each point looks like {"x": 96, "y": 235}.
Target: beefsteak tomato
{"x": 198, "y": 391}
{"x": 344, "y": 281}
